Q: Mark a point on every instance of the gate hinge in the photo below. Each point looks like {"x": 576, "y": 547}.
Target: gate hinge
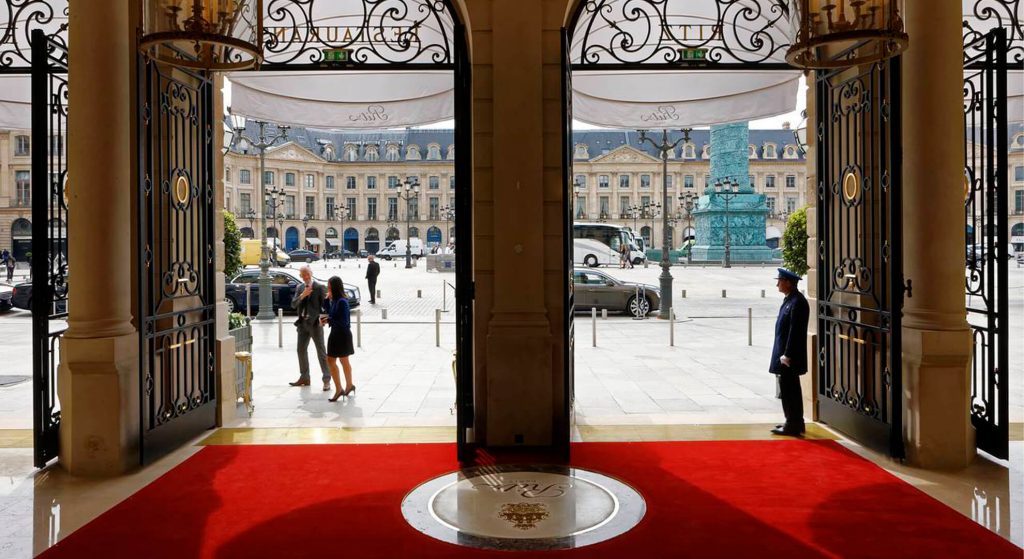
{"x": 908, "y": 289}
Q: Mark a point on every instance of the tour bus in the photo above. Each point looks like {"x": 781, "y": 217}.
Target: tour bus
{"x": 596, "y": 244}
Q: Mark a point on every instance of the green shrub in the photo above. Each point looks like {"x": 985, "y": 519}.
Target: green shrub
{"x": 237, "y": 320}
{"x": 232, "y": 245}
{"x": 794, "y": 247}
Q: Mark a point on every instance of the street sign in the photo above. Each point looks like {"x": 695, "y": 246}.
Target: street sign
{"x": 337, "y": 55}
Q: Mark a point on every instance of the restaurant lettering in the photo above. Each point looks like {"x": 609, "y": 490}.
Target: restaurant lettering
{"x": 343, "y": 35}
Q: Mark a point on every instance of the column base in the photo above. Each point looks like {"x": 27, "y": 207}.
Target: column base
{"x": 936, "y": 397}
{"x": 520, "y": 380}
{"x": 227, "y": 392}
{"x": 98, "y": 387}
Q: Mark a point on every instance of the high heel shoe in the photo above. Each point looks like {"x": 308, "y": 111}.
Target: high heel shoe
{"x": 337, "y": 395}
{"x": 350, "y": 390}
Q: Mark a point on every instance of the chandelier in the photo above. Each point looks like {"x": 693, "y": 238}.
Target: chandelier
{"x": 845, "y": 33}
{"x": 203, "y": 34}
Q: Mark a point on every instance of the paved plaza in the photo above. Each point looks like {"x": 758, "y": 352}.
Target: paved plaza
{"x": 631, "y": 377}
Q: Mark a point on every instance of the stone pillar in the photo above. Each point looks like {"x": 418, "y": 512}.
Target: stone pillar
{"x": 98, "y": 378}
{"x": 809, "y": 382}
{"x": 227, "y": 403}
{"x": 936, "y": 336}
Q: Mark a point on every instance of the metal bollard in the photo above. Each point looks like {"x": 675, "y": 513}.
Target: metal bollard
{"x": 384, "y": 313}
{"x": 593, "y": 325}
{"x": 604, "y": 314}
{"x": 750, "y": 326}
{"x": 437, "y": 327}
{"x": 684, "y": 294}
{"x": 419, "y": 293}
{"x": 378, "y": 294}
{"x": 248, "y": 302}
{"x": 444, "y": 296}
{"x": 359, "y": 328}
{"x": 280, "y": 327}
{"x": 762, "y": 294}
{"x": 723, "y": 294}
{"x": 671, "y": 327}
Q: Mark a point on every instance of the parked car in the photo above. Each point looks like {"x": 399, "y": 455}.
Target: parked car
{"x": 5, "y": 298}
{"x": 302, "y": 255}
{"x": 336, "y": 254}
{"x": 595, "y": 289}
{"x": 363, "y": 253}
{"x": 283, "y": 282}
{"x": 21, "y": 297}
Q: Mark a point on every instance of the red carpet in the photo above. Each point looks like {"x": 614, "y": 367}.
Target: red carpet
{"x": 789, "y": 499}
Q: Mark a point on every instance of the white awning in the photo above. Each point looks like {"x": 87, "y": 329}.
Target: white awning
{"x": 271, "y": 241}
{"x": 348, "y": 100}
{"x": 332, "y": 242}
{"x": 313, "y": 241}
{"x": 772, "y": 232}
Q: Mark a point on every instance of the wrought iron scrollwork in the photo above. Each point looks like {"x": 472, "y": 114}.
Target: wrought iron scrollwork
{"x": 19, "y": 19}
{"x": 386, "y": 32}
{"x": 647, "y": 31}
{"x": 989, "y": 14}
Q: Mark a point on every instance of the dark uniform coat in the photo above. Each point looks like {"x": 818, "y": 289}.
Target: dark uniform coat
{"x": 791, "y": 336}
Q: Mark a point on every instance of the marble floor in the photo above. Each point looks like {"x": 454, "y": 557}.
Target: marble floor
{"x": 39, "y": 507}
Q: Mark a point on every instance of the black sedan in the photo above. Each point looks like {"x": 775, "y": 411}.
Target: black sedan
{"x": 283, "y": 282}
{"x": 5, "y": 299}
{"x": 336, "y": 254}
{"x": 302, "y": 255}
{"x": 597, "y": 290}
{"x": 21, "y": 297}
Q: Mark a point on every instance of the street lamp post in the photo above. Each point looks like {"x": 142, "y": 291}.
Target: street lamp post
{"x": 666, "y": 277}
{"x": 635, "y": 211}
{"x": 341, "y": 212}
{"x": 688, "y": 202}
{"x": 305, "y": 229}
{"x": 260, "y": 144}
{"x": 727, "y": 192}
{"x": 409, "y": 193}
{"x": 448, "y": 213}
{"x": 251, "y": 216}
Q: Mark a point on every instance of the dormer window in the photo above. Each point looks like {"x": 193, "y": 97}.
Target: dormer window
{"x": 329, "y": 153}
{"x": 581, "y": 151}
{"x": 1018, "y": 141}
{"x": 393, "y": 152}
{"x": 770, "y": 151}
{"x": 752, "y": 149}
{"x": 434, "y": 152}
{"x": 351, "y": 152}
{"x": 372, "y": 153}
{"x": 706, "y": 152}
{"x": 451, "y": 153}
{"x": 790, "y": 152}
{"x": 412, "y": 152}
{"x": 689, "y": 151}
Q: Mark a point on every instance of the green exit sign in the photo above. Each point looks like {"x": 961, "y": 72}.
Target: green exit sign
{"x": 337, "y": 55}
{"x": 693, "y": 55}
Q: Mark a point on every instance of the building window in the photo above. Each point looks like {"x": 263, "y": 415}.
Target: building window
{"x": 1018, "y": 174}
{"x": 771, "y": 204}
{"x": 393, "y": 181}
{"x": 689, "y": 151}
{"x": 414, "y": 209}
{"x": 22, "y": 188}
{"x": 645, "y": 203}
{"x": 22, "y": 146}
{"x": 371, "y": 183}
{"x": 245, "y": 203}
{"x": 392, "y": 208}
{"x": 769, "y": 181}
{"x": 412, "y": 152}
{"x": 434, "y": 183}
{"x": 310, "y": 181}
{"x": 750, "y": 180}
{"x": 688, "y": 181}
{"x": 268, "y": 178}
{"x": 605, "y": 211}
{"x": 668, "y": 181}
{"x": 451, "y": 182}
{"x": 707, "y": 181}
{"x": 289, "y": 206}
{"x": 770, "y": 151}
{"x": 623, "y": 207}
{"x": 602, "y": 181}
{"x": 227, "y": 174}
{"x": 581, "y": 152}
{"x": 434, "y": 152}
{"x": 289, "y": 179}
{"x": 350, "y": 204}
{"x": 581, "y": 181}
{"x": 392, "y": 153}
{"x": 624, "y": 181}
{"x": 372, "y": 153}
{"x": 329, "y": 182}
{"x": 752, "y": 149}
{"x": 351, "y": 153}
{"x": 645, "y": 181}
{"x": 790, "y": 181}
{"x": 435, "y": 207}
{"x": 790, "y": 204}
{"x": 581, "y": 207}
{"x": 451, "y": 153}
{"x": 311, "y": 206}
{"x": 1018, "y": 202}
{"x": 350, "y": 183}
{"x": 329, "y": 206}
{"x": 245, "y": 176}
{"x": 371, "y": 209}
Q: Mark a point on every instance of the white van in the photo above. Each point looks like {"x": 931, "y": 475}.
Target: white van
{"x": 396, "y": 249}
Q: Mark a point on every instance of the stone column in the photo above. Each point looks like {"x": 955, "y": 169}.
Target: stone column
{"x": 98, "y": 378}
{"x": 227, "y": 404}
{"x": 936, "y": 336}
{"x": 809, "y": 382}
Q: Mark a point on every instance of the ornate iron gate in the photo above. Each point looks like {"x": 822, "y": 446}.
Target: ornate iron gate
{"x": 860, "y": 264}
{"x": 49, "y": 259}
{"x": 986, "y": 208}
{"x": 175, "y": 256}
{"x": 569, "y": 329}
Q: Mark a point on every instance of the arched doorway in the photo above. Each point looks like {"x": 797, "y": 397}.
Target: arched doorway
{"x": 291, "y": 239}
{"x": 21, "y": 239}
{"x": 414, "y": 232}
{"x": 645, "y": 234}
{"x": 434, "y": 236}
{"x": 392, "y": 234}
{"x": 313, "y": 240}
{"x": 372, "y": 240}
{"x": 246, "y": 232}
{"x": 351, "y": 242}
{"x": 331, "y": 240}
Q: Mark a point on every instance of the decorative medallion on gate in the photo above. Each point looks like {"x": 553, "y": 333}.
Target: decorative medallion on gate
{"x": 182, "y": 190}
{"x": 851, "y": 186}
{"x": 523, "y": 507}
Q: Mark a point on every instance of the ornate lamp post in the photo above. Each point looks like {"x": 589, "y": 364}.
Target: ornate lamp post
{"x": 448, "y": 214}
{"x": 340, "y": 212}
{"x": 635, "y": 211}
{"x": 727, "y": 191}
{"x": 305, "y": 227}
{"x": 652, "y": 212}
{"x": 410, "y": 192}
{"x": 251, "y": 216}
{"x": 666, "y": 277}
{"x": 274, "y": 200}
{"x": 579, "y": 188}
{"x": 260, "y": 143}
{"x": 688, "y": 202}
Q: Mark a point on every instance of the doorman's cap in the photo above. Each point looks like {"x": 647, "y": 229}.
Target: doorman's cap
{"x": 786, "y": 274}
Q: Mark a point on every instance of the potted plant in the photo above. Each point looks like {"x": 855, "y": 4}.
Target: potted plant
{"x": 240, "y": 328}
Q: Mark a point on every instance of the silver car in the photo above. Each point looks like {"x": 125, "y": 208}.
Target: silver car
{"x": 594, "y": 289}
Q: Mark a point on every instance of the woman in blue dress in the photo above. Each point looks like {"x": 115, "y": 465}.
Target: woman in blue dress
{"x": 339, "y": 343}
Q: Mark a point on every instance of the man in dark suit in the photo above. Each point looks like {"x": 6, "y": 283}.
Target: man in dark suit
{"x": 308, "y": 302}
{"x": 372, "y": 271}
{"x": 789, "y": 354}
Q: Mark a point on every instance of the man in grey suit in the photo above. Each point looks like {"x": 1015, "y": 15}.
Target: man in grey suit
{"x": 308, "y": 302}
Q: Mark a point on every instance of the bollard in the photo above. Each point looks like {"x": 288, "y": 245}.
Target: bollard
{"x": 419, "y": 293}
{"x": 384, "y": 313}
{"x": 750, "y": 326}
{"x": 604, "y": 314}
{"x": 723, "y": 294}
{"x": 359, "y": 328}
{"x": 593, "y": 325}
{"x": 762, "y": 294}
{"x": 437, "y": 327}
{"x": 444, "y": 296}
{"x": 248, "y": 302}
{"x": 378, "y": 294}
{"x": 280, "y": 327}
{"x": 684, "y": 294}
{"x": 671, "y": 327}
{"x": 396, "y": 264}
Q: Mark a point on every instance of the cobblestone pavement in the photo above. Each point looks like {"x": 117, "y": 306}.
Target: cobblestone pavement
{"x": 631, "y": 377}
